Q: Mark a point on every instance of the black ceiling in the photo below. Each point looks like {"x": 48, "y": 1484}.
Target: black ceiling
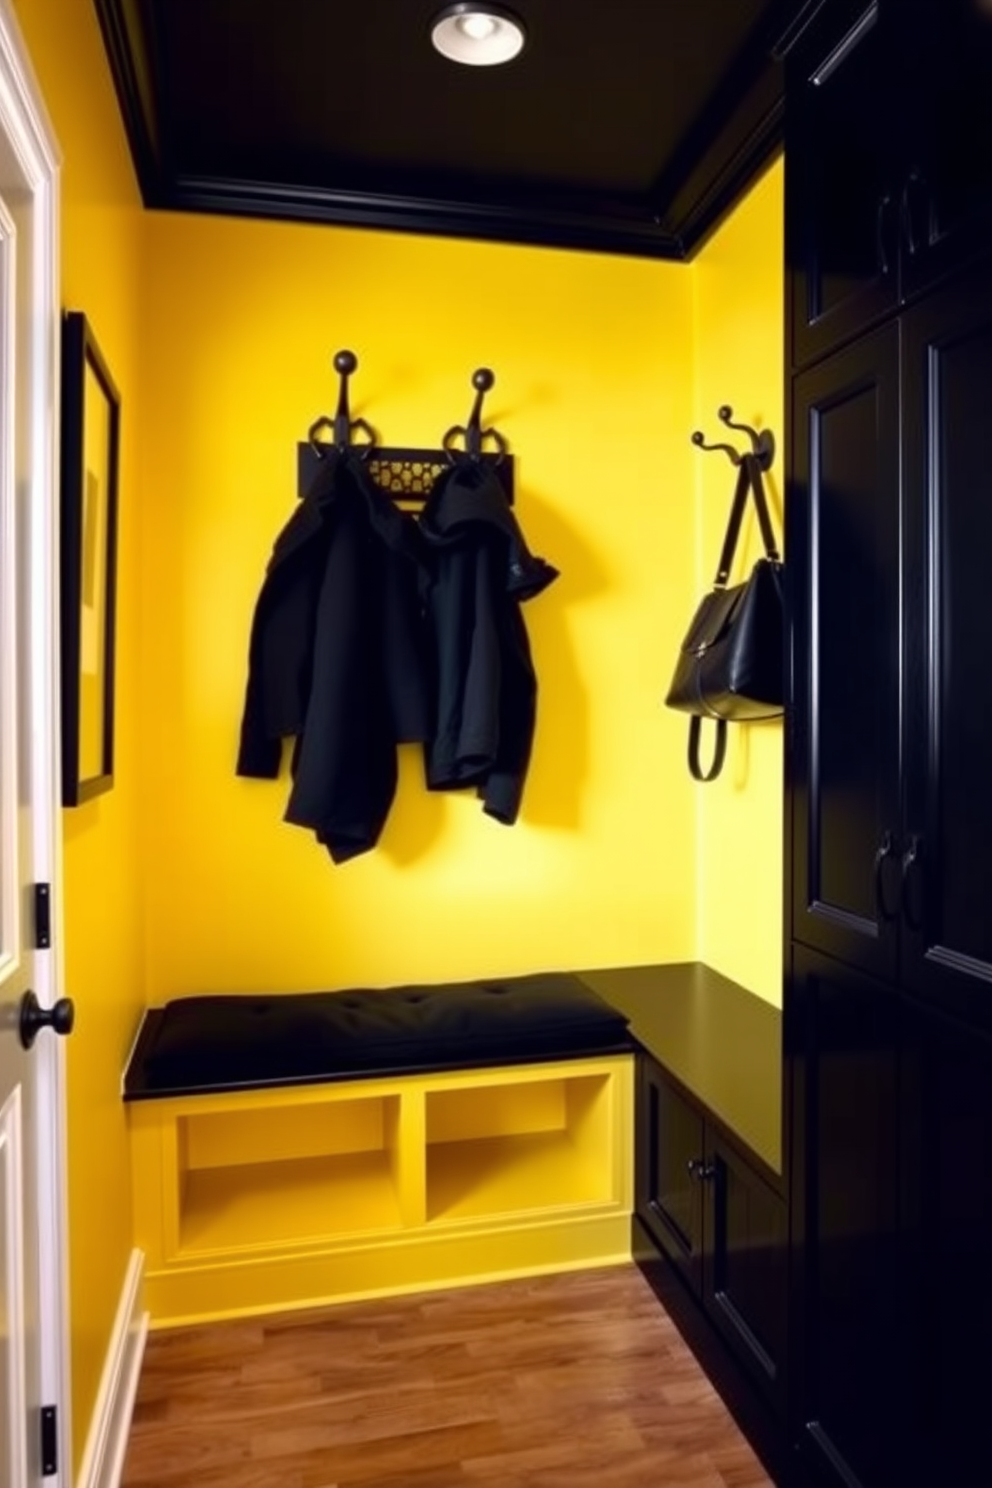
{"x": 625, "y": 125}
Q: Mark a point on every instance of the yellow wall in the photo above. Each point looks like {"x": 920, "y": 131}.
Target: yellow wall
{"x": 739, "y": 340}
{"x": 594, "y": 391}
{"x": 101, "y": 256}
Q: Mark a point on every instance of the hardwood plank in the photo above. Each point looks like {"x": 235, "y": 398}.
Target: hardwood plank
{"x": 550, "y": 1382}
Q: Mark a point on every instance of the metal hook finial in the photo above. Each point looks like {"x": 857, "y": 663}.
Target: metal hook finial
{"x": 483, "y": 379}
{"x": 345, "y": 363}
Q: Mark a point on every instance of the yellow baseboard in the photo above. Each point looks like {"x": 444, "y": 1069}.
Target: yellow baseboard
{"x": 209, "y": 1294}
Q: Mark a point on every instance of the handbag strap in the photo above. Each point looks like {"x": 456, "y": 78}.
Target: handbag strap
{"x": 761, "y": 503}
{"x": 733, "y": 526}
{"x": 719, "y": 750}
{"x": 748, "y": 479}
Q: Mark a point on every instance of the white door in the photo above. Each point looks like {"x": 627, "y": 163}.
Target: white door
{"x": 32, "y": 1267}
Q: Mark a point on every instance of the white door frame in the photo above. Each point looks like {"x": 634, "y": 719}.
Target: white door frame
{"x": 26, "y": 131}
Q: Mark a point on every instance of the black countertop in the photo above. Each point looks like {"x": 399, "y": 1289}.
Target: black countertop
{"x": 721, "y": 1042}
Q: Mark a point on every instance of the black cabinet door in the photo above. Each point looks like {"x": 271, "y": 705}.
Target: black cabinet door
{"x": 947, "y": 1185}
{"x": 946, "y": 199}
{"x": 848, "y": 1295}
{"x": 947, "y": 843}
{"x": 745, "y": 1273}
{"x": 842, "y": 177}
{"x": 669, "y": 1171}
{"x": 842, "y": 519}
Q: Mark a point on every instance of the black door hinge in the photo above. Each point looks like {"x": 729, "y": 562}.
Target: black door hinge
{"x": 42, "y": 916}
{"x": 49, "y": 1440}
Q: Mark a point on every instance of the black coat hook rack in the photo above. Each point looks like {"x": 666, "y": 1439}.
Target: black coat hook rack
{"x": 342, "y": 426}
{"x": 762, "y": 443}
{"x": 473, "y": 433}
{"x": 405, "y": 474}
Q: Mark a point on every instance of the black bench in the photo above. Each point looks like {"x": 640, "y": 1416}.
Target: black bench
{"x": 203, "y": 1045}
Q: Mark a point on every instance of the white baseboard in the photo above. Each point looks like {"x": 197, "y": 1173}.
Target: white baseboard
{"x": 106, "y": 1444}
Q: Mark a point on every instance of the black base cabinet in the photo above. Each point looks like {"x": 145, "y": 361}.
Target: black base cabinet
{"x": 946, "y": 1204}
{"x": 850, "y": 1295}
{"x": 891, "y": 1218}
{"x": 704, "y": 1206}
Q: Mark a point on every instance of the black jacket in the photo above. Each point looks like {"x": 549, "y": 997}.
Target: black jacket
{"x": 336, "y": 657}
{"x": 481, "y": 570}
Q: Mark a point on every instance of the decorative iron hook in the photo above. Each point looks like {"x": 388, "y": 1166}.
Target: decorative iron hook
{"x": 473, "y": 433}
{"x": 762, "y": 445}
{"x": 699, "y": 441}
{"x": 342, "y": 426}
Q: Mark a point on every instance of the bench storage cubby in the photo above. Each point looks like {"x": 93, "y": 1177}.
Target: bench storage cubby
{"x": 260, "y": 1196}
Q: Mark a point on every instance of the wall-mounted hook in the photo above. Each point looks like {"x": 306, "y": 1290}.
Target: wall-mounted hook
{"x": 473, "y": 433}
{"x": 342, "y": 426}
{"x": 699, "y": 441}
{"x": 762, "y": 445}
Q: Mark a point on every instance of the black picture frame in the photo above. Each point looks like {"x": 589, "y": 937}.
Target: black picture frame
{"x": 90, "y": 458}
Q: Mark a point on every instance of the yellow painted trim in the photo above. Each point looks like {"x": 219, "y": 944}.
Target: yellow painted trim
{"x": 177, "y": 1298}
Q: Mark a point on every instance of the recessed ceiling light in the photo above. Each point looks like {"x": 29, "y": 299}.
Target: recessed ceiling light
{"x": 479, "y": 34}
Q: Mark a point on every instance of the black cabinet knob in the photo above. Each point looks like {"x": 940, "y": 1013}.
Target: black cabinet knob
{"x": 34, "y": 1017}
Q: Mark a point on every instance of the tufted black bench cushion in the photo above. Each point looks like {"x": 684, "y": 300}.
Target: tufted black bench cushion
{"x": 197, "y": 1045}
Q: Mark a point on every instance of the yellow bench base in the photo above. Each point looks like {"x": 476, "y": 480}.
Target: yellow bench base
{"x": 255, "y": 1201}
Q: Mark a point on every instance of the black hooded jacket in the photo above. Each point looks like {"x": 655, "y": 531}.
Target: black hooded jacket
{"x": 481, "y": 571}
{"x": 337, "y": 658}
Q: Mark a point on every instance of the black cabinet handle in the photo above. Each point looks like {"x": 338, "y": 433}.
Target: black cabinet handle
{"x": 914, "y": 204}
{"x": 881, "y": 234}
{"x": 697, "y": 1168}
{"x": 912, "y": 859}
{"x": 886, "y": 850}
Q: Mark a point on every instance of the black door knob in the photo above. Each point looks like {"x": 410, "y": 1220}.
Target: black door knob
{"x": 34, "y": 1017}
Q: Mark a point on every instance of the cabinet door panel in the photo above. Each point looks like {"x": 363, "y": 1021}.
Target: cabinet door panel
{"x": 947, "y": 203}
{"x": 948, "y": 484}
{"x": 843, "y": 545}
{"x": 669, "y": 1163}
{"x": 842, "y": 211}
{"x": 947, "y": 1153}
{"x": 846, "y": 1225}
{"x": 746, "y": 1266}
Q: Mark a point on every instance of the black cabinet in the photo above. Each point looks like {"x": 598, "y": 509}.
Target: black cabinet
{"x": 850, "y": 1301}
{"x": 946, "y": 119}
{"x": 721, "y": 1224}
{"x": 946, "y": 834}
{"x": 888, "y": 1003}
{"x": 841, "y": 219}
{"x": 946, "y": 1184}
{"x": 888, "y": 159}
{"x": 890, "y": 544}
{"x": 844, "y": 576}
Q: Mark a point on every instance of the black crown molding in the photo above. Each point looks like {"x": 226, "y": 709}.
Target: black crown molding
{"x": 729, "y": 147}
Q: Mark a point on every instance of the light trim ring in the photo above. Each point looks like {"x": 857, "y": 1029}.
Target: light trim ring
{"x": 479, "y": 34}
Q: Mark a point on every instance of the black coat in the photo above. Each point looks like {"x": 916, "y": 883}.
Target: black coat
{"x": 336, "y": 657}
{"x": 481, "y": 571}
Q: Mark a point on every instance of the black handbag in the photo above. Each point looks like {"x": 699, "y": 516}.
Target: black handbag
{"x": 731, "y": 666}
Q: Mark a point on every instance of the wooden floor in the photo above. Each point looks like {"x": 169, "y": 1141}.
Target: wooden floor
{"x": 557, "y": 1382}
